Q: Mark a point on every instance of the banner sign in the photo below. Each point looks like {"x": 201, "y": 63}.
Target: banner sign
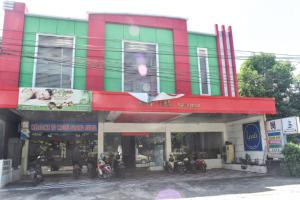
{"x": 290, "y": 125}
{"x": 275, "y": 136}
{"x": 54, "y": 99}
{"x": 62, "y": 127}
{"x": 252, "y": 137}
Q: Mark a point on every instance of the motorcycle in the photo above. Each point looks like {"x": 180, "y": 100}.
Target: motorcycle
{"x": 35, "y": 169}
{"x": 104, "y": 169}
{"x": 87, "y": 166}
{"x": 174, "y": 166}
{"x": 194, "y": 165}
{"x": 117, "y": 167}
{"x": 200, "y": 165}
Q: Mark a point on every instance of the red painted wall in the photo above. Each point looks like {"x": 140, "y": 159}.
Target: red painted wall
{"x": 12, "y": 46}
{"x": 114, "y": 101}
{"x": 227, "y": 60}
{"x": 95, "y": 53}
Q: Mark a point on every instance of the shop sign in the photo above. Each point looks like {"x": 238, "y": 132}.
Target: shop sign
{"x": 252, "y": 137}
{"x": 62, "y": 127}
{"x": 275, "y": 137}
{"x": 54, "y": 99}
{"x": 290, "y": 125}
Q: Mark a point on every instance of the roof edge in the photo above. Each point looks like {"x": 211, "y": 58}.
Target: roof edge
{"x": 137, "y": 14}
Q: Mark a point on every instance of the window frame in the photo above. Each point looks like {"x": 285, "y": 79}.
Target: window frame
{"x": 207, "y": 71}
{"x": 157, "y": 62}
{"x": 36, "y": 54}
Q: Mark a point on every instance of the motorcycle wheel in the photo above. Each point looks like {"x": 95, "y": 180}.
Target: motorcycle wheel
{"x": 99, "y": 174}
{"x": 91, "y": 170}
{"x": 203, "y": 169}
{"x": 181, "y": 170}
{"x": 76, "y": 171}
{"x": 106, "y": 175}
{"x": 169, "y": 168}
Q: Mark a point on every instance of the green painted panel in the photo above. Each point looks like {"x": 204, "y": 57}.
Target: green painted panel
{"x": 164, "y": 36}
{"x": 81, "y": 29}
{"x": 209, "y": 42}
{"x": 147, "y": 34}
{"x": 114, "y": 32}
{"x": 47, "y": 26}
{"x": 65, "y": 27}
{"x": 114, "y": 36}
{"x": 34, "y": 25}
{"x": 131, "y": 33}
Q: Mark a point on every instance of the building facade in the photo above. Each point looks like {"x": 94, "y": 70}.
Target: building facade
{"x": 142, "y": 86}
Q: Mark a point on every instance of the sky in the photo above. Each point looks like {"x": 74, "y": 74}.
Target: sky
{"x": 258, "y": 25}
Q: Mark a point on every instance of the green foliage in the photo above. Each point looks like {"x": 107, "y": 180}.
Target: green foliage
{"x": 291, "y": 154}
{"x": 263, "y": 76}
{"x": 251, "y": 83}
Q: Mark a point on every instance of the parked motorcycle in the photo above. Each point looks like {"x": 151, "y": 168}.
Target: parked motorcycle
{"x": 104, "y": 169}
{"x": 35, "y": 169}
{"x": 117, "y": 167}
{"x": 194, "y": 165}
{"x": 200, "y": 165}
{"x": 175, "y": 166}
{"x": 86, "y": 166}
{"x": 189, "y": 165}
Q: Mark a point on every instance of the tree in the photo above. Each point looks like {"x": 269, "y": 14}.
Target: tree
{"x": 263, "y": 76}
{"x": 294, "y": 100}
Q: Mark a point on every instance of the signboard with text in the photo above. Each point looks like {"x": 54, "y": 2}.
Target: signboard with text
{"x": 62, "y": 127}
{"x": 275, "y": 136}
{"x": 54, "y": 99}
{"x": 252, "y": 137}
{"x": 290, "y": 125}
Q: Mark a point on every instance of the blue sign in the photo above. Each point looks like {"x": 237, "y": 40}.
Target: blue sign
{"x": 252, "y": 137}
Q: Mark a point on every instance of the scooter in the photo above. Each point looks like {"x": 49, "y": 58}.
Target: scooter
{"x": 104, "y": 170}
{"x": 117, "y": 167}
{"x": 85, "y": 167}
{"x": 174, "y": 166}
{"x": 35, "y": 169}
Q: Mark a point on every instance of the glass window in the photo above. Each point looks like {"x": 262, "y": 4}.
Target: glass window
{"x": 205, "y": 145}
{"x": 140, "y": 68}
{"x": 204, "y": 71}
{"x": 54, "y": 62}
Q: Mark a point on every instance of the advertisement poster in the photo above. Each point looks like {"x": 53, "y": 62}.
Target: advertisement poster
{"x": 252, "y": 137}
{"x": 275, "y": 136}
{"x": 290, "y": 125}
{"x": 54, "y": 99}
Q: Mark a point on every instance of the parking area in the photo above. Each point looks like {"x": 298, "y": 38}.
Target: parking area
{"x": 156, "y": 185}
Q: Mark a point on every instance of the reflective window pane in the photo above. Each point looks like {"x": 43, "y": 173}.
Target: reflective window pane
{"x": 140, "y": 68}
{"x": 54, "y": 62}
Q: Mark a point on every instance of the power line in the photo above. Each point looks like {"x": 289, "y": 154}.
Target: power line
{"x": 166, "y": 44}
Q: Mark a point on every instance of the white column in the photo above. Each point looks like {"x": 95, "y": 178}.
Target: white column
{"x": 168, "y": 144}
{"x": 24, "y": 157}
{"x": 100, "y": 138}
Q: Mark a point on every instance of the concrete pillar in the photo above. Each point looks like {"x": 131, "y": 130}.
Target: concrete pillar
{"x": 24, "y": 157}
{"x": 100, "y": 138}
{"x": 168, "y": 144}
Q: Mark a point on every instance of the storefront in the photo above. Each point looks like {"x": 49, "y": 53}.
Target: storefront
{"x": 137, "y": 150}
{"x": 62, "y": 143}
{"x": 152, "y": 87}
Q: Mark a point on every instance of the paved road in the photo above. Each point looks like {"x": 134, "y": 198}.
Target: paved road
{"x": 215, "y": 184}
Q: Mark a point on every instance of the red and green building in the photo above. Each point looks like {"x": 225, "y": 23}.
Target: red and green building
{"x": 153, "y": 87}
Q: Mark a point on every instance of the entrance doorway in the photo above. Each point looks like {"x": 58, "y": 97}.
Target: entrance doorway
{"x": 128, "y": 151}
